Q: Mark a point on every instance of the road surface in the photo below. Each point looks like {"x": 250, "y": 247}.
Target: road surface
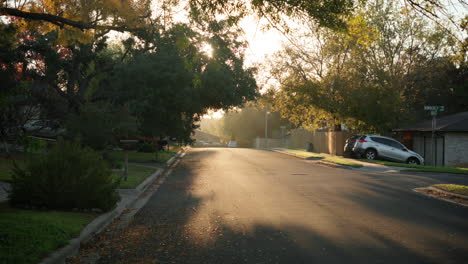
{"x": 250, "y": 206}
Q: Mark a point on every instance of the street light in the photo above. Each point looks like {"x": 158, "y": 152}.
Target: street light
{"x": 266, "y": 122}
{"x": 266, "y": 126}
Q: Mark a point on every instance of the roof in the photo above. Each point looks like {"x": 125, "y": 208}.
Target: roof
{"x": 451, "y": 123}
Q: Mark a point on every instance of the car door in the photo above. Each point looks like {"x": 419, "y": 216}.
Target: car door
{"x": 382, "y": 147}
{"x": 398, "y": 151}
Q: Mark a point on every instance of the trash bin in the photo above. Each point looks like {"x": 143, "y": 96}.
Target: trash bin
{"x": 309, "y": 147}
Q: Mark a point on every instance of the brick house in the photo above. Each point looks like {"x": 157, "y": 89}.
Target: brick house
{"x": 451, "y": 141}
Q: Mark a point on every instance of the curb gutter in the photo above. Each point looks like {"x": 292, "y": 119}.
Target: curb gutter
{"x": 102, "y": 221}
{"x": 321, "y": 162}
{"x": 461, "y": 196}
{"x": 419, "y": 191}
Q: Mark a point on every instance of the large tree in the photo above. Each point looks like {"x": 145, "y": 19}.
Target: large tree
{"x": 368, "y": 77}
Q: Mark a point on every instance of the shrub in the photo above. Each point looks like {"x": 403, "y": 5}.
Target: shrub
{"x": 147, "y": 148}
{"x": 67, "y": 177}
{"x": 93, "y": 126}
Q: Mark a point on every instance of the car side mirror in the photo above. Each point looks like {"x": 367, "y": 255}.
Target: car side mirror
{"x": 405, "y": 150}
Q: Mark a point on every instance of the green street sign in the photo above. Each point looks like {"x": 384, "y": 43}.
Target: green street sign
{"x": 438, "y": 108}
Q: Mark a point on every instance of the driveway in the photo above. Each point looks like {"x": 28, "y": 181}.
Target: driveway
{"x": 249, "y": 206}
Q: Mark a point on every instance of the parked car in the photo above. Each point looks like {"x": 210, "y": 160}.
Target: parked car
{"x": 232, "y": 144}
{"x": 43, "y": 128}
{"x": 348, "y": 148}
{"x": 373, "y": 147}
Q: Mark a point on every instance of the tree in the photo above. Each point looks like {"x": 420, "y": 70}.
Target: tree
{"x": 325, "y": 13}
{"x": 170, "y": 88}
{"x": 77, "y": 16}
{"x": 365, "y": 77}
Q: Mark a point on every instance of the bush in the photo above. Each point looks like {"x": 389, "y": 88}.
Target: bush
{"x": 67, "y": 177}
{"x": 93, "y": 126}
{"x": 147, "y": 148}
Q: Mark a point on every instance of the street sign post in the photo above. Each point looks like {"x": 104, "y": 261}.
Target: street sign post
{"x": 434, "y": 110}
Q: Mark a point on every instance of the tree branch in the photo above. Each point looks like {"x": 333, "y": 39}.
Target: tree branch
{"x": 61, "y": 21}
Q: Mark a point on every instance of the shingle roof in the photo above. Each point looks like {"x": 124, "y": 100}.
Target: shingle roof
{"x": 451, "y": 123}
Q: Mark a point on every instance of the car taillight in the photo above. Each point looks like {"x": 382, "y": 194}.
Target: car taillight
{"x": 362, "y": 141}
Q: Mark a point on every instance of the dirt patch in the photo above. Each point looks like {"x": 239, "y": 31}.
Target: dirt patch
{"x": 442, "y": 195}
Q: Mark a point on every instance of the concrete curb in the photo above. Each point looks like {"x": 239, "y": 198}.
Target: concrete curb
{"x": 102, "y": 221}
{"x": 461, "y": 196}
{"x": 294, "y": 155}
{"x": 171, "y": 160}
{"x": 418, "y": 191}
{"x": 321, "y": 162}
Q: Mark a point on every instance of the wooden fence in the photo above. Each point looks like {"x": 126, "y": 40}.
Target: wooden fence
{"x": 322, "y": 142}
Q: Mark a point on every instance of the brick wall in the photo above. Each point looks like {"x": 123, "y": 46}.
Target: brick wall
{"x": 456, "y": 149}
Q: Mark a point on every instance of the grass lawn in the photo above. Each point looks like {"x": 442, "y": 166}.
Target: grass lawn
{"x": 7, "y": 164}
{"x": 301, "y": 149}
{"x": 27, "y": 236}
{"x": 136, "y": 175}
{"x": 422, "y": 168}
{"x": 142, "y": 157}
{"x": 303, "y": 154}
{"x": 5, "y": 169}
{"x": 344, "y": 162}
{"x": 455, "y": 188}
{"x": 335, "y": 160}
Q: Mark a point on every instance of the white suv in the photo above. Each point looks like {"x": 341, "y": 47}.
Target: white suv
{"x": 373, "y": 147}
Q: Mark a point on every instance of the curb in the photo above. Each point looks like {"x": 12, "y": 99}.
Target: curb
{"x": 294, "y": 155}
{"x": 461, "y": 196}
{"x": 176, "y": 156}
{"x": 321, "y": 162}
{"x": 417, "y": 190}
{"x": 102, "y": 221}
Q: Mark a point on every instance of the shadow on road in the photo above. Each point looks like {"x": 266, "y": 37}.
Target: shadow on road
{"x": 178, "y": 225}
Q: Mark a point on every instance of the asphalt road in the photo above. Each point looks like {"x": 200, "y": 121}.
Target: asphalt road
{"x": 252, "y": 206}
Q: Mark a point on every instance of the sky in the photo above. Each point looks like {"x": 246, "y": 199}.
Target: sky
{"x": 264, "y": 43}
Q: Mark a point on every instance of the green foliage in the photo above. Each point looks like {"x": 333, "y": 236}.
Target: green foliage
{"x": 173, "y": 86}
{"x": 374, "y": 77}
{"x": 326, "y": 13}
{"x": 245, "y": 124}
{"x": 67, "y": 177}
{"x": 93, "y": 126}
{"x": 27, "y": 236}
{"x": 136, "y": 175}
{"x": 35, "y": 145}
{"x": 147, "y": 148}
{"x": 142, "y": 157}
{"x": 97, "y": 125}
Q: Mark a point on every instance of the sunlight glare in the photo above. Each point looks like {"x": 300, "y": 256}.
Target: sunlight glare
{"x": 207, "y": 49}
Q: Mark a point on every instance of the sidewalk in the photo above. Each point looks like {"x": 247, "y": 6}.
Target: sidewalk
{"x": 4, "y": 187}
{"x": 129, "y": 199}
{"x": 317, "y": 157}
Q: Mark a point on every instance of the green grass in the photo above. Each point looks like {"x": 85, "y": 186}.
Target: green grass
{"x": 344, "y": 162}
{"x": 5, "y": 169}
{"x": 455, "y": 188}
{"x": 136, "y": 175}
{"x": 421, "y": 168}
{"x": 142, "y": 157}
{"x": 335, "y": 160}
{"x": 303, "y": 154}
{"x": 27, "y": 236}
{"x": 301, "y": 149}
{"x": 6, "y": 165}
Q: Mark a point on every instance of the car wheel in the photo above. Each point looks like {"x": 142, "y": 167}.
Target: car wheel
{"x": 370, "y": 154}
{"x": 413, "y": 161}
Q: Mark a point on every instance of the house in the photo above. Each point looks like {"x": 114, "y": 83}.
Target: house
{"x": 451, "y": 140}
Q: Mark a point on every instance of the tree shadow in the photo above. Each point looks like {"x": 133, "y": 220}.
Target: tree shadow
{"x": 176, "y": 226}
